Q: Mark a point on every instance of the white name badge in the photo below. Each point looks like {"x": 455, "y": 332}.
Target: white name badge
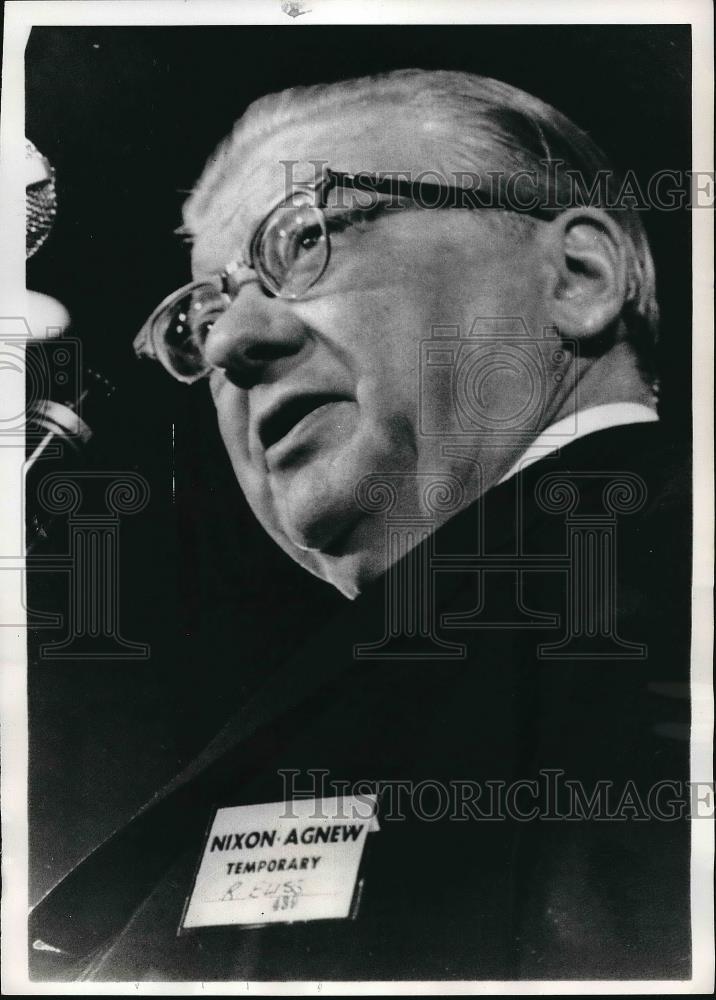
{"x": 280, "y": 862}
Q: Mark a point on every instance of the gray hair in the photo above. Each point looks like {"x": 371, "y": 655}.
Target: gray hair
{"x": 477, "y": 124}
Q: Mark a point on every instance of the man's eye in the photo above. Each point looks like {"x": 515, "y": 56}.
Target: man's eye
{"x": 203, "y": 327}
{"x": 179, "y": 329}
{"x": 310, "y": 237}
{"x": 202, "y": 320}
{"x": 355, "y": 219}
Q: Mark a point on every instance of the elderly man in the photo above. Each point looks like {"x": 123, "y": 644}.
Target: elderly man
{"x": 427, "y": 323}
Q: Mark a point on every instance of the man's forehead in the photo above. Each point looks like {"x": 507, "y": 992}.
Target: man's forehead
{"x": 371, "y": 142}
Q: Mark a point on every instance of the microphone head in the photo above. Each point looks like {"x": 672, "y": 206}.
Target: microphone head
{"x": 40, "y": 196}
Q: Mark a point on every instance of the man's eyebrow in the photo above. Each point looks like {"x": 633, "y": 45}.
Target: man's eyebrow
{"x": 374, "y": 208}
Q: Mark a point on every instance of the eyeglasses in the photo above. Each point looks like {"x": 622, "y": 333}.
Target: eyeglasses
{"x": 288, "y": 253}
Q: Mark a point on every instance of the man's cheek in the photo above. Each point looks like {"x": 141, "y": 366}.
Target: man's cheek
{"x": 251, "y": 476}
{"x": 233, "y": 427}
{"x": 254, "y": 485}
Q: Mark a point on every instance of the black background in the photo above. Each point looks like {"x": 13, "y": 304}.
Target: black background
{"x": 128, "y": 116}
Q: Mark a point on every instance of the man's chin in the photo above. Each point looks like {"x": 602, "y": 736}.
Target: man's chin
{"x": 318, "y": 526}
{"x": 316, "y": 503}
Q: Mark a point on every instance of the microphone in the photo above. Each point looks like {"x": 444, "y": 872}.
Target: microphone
{"x": 40, "y": 197}
{"x": 66, "y": 400}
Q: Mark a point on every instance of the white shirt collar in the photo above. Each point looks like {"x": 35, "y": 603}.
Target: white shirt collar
{"x": 577, "y": 425}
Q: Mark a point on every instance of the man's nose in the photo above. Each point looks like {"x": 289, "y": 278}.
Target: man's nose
{"x": 253, "y": 336}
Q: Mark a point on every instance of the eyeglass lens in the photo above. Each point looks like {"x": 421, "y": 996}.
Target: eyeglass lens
{"x": 183, "y": 329}
{"x": 291, "y": 250}
{"x": 290, "y": 253}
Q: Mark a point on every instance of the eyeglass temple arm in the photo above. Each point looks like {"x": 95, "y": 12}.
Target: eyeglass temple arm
{"x": 436, "y": 195}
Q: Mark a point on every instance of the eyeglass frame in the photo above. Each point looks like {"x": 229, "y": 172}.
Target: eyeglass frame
{"x": 459, "y": 197}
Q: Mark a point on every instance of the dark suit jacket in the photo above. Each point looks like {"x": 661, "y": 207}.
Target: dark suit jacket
{"x": 569, "y": 591}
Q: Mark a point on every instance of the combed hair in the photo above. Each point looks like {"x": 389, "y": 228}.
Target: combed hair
{"x": 471, "y": 124}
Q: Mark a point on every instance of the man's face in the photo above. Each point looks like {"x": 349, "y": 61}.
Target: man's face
{"x": 335, "y": 387}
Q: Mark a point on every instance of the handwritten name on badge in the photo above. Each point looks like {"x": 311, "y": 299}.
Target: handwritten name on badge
{"x": 280, "y": 862}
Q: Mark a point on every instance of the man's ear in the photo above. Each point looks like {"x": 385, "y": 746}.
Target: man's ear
{"x": 587, "y": 272}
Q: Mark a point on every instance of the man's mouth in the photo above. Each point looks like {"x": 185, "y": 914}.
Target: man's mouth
{"x": 286, "y": 416}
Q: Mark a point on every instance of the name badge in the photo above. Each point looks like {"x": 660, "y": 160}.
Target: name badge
{"x": 280, "y": 862}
